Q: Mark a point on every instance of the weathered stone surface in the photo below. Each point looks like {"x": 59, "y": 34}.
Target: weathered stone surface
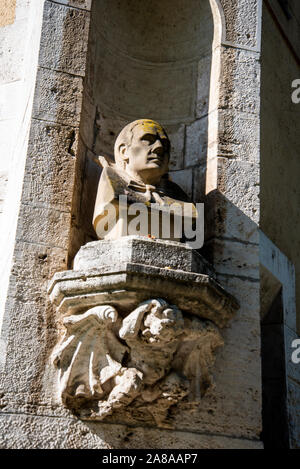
{"x": 110, "y": 278}
{"x": 184, "y": 178}
{"x": 128, "y": 284}
{"x": 64, "y": 39}
{"x": 196, "y": 142}
{"x": 239, "y": 183}
{"x": 66, "y": 433}
{"x": 234, "y": 257}
{"x": 239, "y": 80}
{"x": 83, "y": 4}
{"x": 203, "y": 86}
{"x": 199, "y": 185}
{"x": 245, "y": 291}
{"x": 281, "y": 268}
{"x": 224, "y": 218}
{"x": 238, "y": 136}
{"x": 241, "y": 20}
{"x": 58, "y": 97}
{"x": 176, "y": 136}
{"x": 28, "y": 317}
{"x": 141, "y": 250}
{"x": 106, "y": 130}
{"x": 50, "y": 164}
{"x": 165, "y": 354}
{"x": 43, "y": 225}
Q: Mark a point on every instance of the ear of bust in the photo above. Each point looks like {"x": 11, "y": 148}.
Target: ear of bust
{"x": 123, "y": 151}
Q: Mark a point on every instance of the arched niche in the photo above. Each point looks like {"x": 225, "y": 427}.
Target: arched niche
{"x": 154, "y": 60}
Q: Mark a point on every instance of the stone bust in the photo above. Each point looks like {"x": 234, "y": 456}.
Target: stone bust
{"x": 140, "y": 172}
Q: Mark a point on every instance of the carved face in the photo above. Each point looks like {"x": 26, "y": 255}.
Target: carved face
{"x": 147, "y": 156}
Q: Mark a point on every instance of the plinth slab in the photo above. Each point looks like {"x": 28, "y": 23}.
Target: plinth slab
{"x": 125, "y": 272}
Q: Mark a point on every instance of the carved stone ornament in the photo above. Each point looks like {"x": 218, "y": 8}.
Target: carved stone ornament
{"x": 139, "y": 317}
{"x": 137, "y": 337}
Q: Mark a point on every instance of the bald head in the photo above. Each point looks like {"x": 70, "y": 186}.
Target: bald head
{"x": 143, "y": 149}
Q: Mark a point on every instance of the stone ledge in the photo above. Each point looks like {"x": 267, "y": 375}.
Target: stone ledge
{"x": 62, "y": 433}
{"x": 124, "y": 284}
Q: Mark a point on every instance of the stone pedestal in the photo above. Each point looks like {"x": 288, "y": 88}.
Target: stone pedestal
{"x": 140, "y": 321}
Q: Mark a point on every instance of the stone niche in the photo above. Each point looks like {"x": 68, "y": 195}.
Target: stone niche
{"x": 139, "y": 320}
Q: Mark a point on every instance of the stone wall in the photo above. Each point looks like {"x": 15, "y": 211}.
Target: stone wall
{"x": 19, "y": 44}
{"x": 57, "y": 173}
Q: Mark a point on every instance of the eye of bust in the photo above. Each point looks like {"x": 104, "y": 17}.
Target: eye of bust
{"x": 149, "y": 138}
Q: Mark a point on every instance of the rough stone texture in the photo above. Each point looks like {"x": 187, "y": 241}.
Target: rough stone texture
{"x": 241, "y": 20}
{"x": 164, "y": 353}
{"x": 58, "y": 97}
{"x": 64, "y": 433}
{"x": 64, "y": 47}
{"x": 196, "y": 143}
{"x": 238, "y": 136}
{"x": 234, "y": 258}
{"x": 240, "y": 79}
{"x": 50, "y": 162}
{"x": 141, "y": 250}
{"x": 82, "y": 4}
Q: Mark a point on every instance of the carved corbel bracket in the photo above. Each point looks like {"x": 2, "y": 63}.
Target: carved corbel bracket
{"x": 139, "y": 332}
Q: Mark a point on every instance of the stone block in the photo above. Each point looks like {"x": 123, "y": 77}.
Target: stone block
{"x": 196, "y": 143}
{"x": 141, "y": 250}
{"x": 177, "y": 138}
{"x": 37, "y": 432}
{"x": 64, "y": 39}
{"x": 27, "y": 329}
{"x": 239, "y": 183}
{"x": 199, "y": 184}
{"x": 240, "y": 80}
{"x": 87, "y": 123}
{"x": 203, "y": 86}
{"x": 241, "y": 22}
{"x": 247, "y": 294}
{"x": 238, "y": 136}
{"x": 224, "y": 218}
{"x": 42, "y": 225}
{"x": 58, "y": 97}
{"x": 217, "y": 412}
{"x": 82, "y": 4}
{"x": 184, "y": 178}
{"x": 234, "y": 258}
{"x": 50, "y": 164}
